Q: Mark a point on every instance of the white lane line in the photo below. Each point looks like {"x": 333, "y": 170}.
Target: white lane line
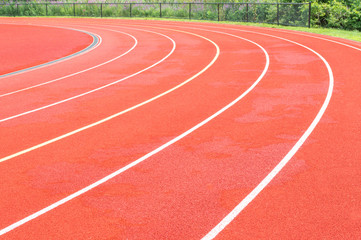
{"x": 97, "y": 40}
{"x": 249, "y": 198}
{"x": 82, "y": 71}
{"x": 114, "y": 174}
{"x": 122, "y": 112}
{"x": 99, "y": 88}
{"x": 277, "y": 30}
{"x": 307, "y": 34}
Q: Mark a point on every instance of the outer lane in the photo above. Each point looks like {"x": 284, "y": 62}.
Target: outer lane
{"x": 319, "y": 188}
{"x": 316, "y": 195}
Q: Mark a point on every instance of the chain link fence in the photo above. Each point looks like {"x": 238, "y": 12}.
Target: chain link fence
{"x": 291, "y": 14}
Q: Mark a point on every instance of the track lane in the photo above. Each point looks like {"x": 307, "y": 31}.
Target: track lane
{"x": 319, "y": 187}
{"x": 47, "y": 96}
{"x": 304, "y": 191}
{"x": 183, "y": 204}
{"x": 123, "y": 126}
{"x": 280, "y": 165}
{"x": 229, "y": 198}
{"x": 179, "y": 234}
{"x": 73, "y": 74}
{"x": 129, "y": 97}
{"x": 114, "y": 44}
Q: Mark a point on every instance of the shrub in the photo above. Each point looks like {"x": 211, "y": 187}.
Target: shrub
{"x": 355, "y": 19}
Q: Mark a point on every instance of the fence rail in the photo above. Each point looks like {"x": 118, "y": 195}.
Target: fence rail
{"x": 292, "y": 14}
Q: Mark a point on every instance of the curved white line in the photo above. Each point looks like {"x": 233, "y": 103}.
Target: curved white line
{"x": 122, "y": 112}
{"x": 271, "y": 29}
{"x": 52, "y": 62}
{"x": 99, "y": 88}
{"x": 249, "y": 198}
{"x": 82, "y": 71}
{"x": 174, "y": 140}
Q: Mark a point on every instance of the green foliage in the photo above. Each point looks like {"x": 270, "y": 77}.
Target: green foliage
{"x": 175, "y": 10}
{"x": 355, "y": 19}
{"x": 251, "y": 11}
{"x": 115, "y": 10}
{"x": 341, "y": 14}
{"x": 336, "y": 15}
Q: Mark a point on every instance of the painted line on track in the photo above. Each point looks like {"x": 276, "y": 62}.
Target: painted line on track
{"x": 253, "y": 194}
{"x": 120, "y": 113}
{"x": 82, "y": 71}
{"x": 21, "y": 222}
{"x": 99, "y": 88}
{"x": 284, "y": 161}
{"x": 97, "y": 40}
{"x": 271, "y": 29}
{"x": 136, "y": 162}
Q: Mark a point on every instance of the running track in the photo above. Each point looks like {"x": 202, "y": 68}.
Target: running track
{"x": 128, "y": 129}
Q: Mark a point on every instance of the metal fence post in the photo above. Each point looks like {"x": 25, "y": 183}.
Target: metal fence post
{"x": 309, "y": 14}
{"x": 15, "y": 10}
{"x": 247, "y": 11}
{"x": 278, "y": 13}
{"x": 190, "y": 10}
{"x": 130, "y": 10}
{"x": 160, "y": 10}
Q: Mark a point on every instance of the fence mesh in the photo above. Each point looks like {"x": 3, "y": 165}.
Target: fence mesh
{"x": 295, "y": 14}
{"x": 176, "y": 10}
{"x": 116, "y": 10}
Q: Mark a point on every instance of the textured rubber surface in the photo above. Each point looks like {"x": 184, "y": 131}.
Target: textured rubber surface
{"x": 25, "y": 48}
{"x": 185, "y": 190}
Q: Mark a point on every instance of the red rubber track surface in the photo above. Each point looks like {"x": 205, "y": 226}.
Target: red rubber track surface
{"x": 185, "y": 190}
{"x": 24, "y": 46}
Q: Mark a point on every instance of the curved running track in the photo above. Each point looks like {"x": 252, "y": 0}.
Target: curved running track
{"x": 170, "y": 130}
